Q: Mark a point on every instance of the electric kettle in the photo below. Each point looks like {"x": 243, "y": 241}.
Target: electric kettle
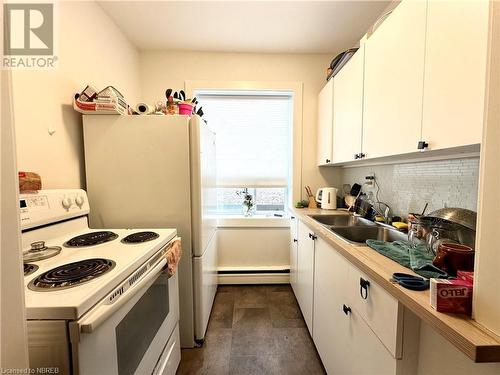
{"x": 327, "y": 197}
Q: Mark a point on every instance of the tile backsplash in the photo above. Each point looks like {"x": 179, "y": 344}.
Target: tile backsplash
{"x": 407, "y": 187}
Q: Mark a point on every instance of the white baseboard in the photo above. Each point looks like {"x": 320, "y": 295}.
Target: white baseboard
{"x": 254, "y": 278}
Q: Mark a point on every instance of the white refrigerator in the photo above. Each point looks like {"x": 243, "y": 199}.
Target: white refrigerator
{"x": 159, "y": 171}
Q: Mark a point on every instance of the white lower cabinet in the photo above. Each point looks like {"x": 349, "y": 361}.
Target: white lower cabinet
{"x": 331, "y": 329}
{"x": 305, "y": 272}
{"x": 293, "y": 251}
{"x": 354, "y": 334}
{"x": 364, "y": 351}
{"x": 381, "y": 311}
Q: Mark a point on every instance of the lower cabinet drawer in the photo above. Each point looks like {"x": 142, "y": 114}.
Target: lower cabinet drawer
{"x": 368, "y": 354}
{"x": 381, "y": 311}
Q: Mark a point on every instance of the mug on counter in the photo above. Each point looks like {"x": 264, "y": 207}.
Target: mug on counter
{"x": 453, "y": 257}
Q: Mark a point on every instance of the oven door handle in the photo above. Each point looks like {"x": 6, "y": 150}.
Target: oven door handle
{"x": 91, "y": 321}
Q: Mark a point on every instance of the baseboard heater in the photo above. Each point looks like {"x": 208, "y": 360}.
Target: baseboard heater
{"x": 254, "y": 275}
{"x": 236, "y": 272}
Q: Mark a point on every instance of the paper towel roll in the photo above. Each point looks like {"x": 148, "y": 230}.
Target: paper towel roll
{"x": 144, "y": 109}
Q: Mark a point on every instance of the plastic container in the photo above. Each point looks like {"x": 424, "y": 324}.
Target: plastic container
{"x": 185, "y": 109}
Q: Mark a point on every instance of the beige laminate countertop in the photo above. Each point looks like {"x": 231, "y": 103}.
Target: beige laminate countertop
{"x": 466, "y": 334}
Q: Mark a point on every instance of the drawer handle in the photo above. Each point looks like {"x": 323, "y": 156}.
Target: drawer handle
{"x": 295, "y": 240}
{"x": 363, "y": 287}
{"x": 347, "y": 309}
{"x": 292, "y": 217}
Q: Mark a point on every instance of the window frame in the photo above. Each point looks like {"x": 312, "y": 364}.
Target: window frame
{"x": 296, "y": 88}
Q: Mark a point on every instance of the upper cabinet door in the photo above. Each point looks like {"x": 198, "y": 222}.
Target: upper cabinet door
{"x": 348, "y": 109}
{"x": 394, "y": 69}
{"x": 325, "y": 124}
{"x": 455, "y": 73}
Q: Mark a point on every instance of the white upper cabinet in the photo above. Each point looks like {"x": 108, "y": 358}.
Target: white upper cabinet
{"x": 394, "y": 70}
{"x": 325, "y": 124}
{"x": 455, "y": 73}
{"x": 348, "y": 109}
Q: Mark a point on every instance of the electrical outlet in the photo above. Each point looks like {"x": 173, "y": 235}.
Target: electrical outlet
{"x": 370, "y": 179}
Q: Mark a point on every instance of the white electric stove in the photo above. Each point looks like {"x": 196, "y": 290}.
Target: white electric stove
{"x": 97, "y": 301}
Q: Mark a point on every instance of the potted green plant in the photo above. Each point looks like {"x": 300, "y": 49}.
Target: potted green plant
{"x": 248, "y": 204}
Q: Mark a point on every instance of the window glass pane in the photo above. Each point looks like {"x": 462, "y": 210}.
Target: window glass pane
{"x": 228, "y": 200}
{"x": 267, "y": 200}
{"x": 253, "y": 137}
{"x": 270, "y": 199}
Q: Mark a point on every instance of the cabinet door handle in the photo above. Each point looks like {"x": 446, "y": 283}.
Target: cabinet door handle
{"x": 363, "y": 287}
{"x": 361, "y": 155}
{"x": 327, "y": 160}
{"x": 422, "y": 145}
{"x": 356, "y": 156}
{"x": 295, "y": 240}
{"x": 347, "y": 309}
{"x": 313, "y": 237}
{"x": 292, "y": 217}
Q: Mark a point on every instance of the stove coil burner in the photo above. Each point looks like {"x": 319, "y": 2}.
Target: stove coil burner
{"x": 140, "y": 237}
{"x": 91, "y": 239}
{"x": 71, "y": 274}
{"x": 29, "y": 268}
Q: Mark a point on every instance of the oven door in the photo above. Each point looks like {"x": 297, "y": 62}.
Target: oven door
{"x": 128, "y": 336}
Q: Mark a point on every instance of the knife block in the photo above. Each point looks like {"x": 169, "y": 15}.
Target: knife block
{"x": 312, "y": 203}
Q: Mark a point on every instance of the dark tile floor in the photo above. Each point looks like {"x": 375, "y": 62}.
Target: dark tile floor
{"x": 254, "y": 330}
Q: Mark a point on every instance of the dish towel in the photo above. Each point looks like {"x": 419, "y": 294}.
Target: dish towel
{"x": 173, "y": 256}
{"x": 417, "y": 259}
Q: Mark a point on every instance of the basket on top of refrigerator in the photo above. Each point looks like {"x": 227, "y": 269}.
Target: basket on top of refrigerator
{"x": 107, "y": 101}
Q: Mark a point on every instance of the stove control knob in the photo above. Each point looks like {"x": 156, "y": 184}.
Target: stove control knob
{"x": 79, "y": 201}
{"x": 66, "y": 203}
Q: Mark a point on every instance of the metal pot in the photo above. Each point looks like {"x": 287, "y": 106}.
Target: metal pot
{"x": 463, "y": 219}
{"x": 446, "y": 224}
{"x": 460, "y": 216}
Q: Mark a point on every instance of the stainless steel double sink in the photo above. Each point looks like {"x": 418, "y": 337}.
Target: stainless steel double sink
{"x": 357, "y": 230}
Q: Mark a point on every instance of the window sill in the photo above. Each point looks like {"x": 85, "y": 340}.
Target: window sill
{"x": 256, "y": 221}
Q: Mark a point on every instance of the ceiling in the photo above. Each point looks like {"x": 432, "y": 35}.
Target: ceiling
{"x": 245, "y": 26}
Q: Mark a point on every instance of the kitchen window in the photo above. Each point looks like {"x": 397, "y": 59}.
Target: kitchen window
{"x": 253, "y": 146}
{"x": 267, "y": 200}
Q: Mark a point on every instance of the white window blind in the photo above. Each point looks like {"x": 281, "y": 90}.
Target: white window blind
{"x": 253, "y": 137}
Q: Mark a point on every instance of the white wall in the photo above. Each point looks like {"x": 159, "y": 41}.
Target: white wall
{"x": 91, "y": 49}
{"x": 253, "y": 248}
{"x": 161, "y": 70}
